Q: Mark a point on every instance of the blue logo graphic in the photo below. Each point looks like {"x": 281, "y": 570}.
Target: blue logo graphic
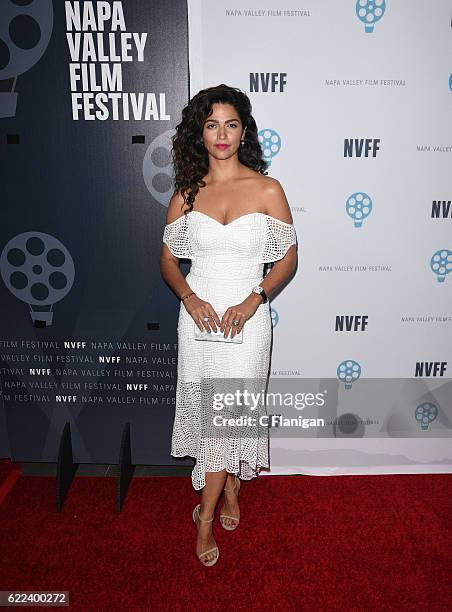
{"x": 270, "y": 142}
{"x": 450, "y": 81}
{"x": 369, "y": 12}
{"x": 358, "y": 207}
{"x": 274, "y": 316}
{"x": 441, "y": 264}
{"x": 425, "y": 414}
{"x": 348, "y": 372}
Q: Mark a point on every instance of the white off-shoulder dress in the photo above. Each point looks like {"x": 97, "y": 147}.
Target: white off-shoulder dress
{"x": 227, "y": 261}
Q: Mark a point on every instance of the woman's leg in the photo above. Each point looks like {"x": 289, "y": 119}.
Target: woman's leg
{"x": 230, "y": 505}
{"x": 215, "y": 482}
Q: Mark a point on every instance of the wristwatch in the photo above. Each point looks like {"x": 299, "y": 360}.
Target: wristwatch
{"x": 260, "y": 291}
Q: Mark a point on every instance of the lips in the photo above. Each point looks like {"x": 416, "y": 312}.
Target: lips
{"x": 222, "y": 146}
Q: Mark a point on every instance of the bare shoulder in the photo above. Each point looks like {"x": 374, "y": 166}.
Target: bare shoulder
{"x": 274, "y": 199}
{"x": 176, "y": 207}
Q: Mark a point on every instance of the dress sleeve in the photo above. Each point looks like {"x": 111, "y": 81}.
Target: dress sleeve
{"x": 176, "y": 238}
{"x": 279, "y": 237}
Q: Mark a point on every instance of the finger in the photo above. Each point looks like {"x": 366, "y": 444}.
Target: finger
{"x": 200, "y": 319}
{"x": 224, "y": 326}
{"x": 224, "y": 319}
{"x": 213, "y": 318}
{"x": 228, "y": 326}
{"x": 206, "y": 322}
{"x": 234, "y": 317}
{"x": 235, "y": 328}
{"x": 198, "y": 324}
{"x": 216, "y": 317}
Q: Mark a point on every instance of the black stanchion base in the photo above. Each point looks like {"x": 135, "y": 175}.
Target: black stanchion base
{"x": 66, "y": 467}
{"x": 126, "y": 469}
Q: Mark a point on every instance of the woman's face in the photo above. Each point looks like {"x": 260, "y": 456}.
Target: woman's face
{"x": 222, "y": 127}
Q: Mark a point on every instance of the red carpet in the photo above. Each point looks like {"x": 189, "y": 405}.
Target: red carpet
{"x": 304, "y": 543}
{"x": 9, "y": 475}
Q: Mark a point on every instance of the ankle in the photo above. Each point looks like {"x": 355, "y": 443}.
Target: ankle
{"x": 206, "y": 516}
{"x": 231, "y": 484}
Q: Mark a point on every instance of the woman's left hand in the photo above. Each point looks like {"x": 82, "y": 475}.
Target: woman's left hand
{"x": 239, "y": 312}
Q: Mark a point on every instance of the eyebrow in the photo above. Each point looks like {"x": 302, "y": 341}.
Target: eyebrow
{"x": 216, "y": 120}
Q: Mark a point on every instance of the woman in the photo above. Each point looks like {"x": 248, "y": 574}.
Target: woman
{"x": 229, "y": 219}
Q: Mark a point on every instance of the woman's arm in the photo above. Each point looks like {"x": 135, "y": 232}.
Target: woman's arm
{"x": 278, "y": 207}
{"x": 169, "y": 263}
{"x": 197, "y": 308}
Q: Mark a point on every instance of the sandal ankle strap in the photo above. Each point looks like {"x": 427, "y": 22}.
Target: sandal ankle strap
{"x": 235, "y": 485}
{"x": 205, "y": 520}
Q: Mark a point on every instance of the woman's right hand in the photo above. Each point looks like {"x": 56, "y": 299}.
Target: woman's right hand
{"x": 198, "y": 309}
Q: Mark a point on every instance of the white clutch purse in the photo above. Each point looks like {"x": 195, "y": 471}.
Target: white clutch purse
{"x": 217, "y": 336}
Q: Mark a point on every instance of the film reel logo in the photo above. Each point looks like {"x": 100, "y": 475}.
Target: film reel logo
{"x": 38, "y": 270}
{"x": 358, "y": 207}
{"x": 25, "y": 30}
{"x": 270, "y": 142}
{"x": 158, "y": 171}
{"x": 441, "y": 264}
{"x": 369, "y": 12}
{"x": 348, "y": 372}
{"x": 274, "y": 316}
{"x": 425, "y": 414}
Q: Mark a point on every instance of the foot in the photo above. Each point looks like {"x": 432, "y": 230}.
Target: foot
{"x": 205, "y": 540}
{"x": 231, "y": 504}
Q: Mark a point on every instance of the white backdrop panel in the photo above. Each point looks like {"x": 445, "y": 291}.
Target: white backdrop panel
{"x": 391, "y": 87}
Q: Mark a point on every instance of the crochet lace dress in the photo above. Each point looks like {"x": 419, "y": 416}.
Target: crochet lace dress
{"x": 227, "y": 261}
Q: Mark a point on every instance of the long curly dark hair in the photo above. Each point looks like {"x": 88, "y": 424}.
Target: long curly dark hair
{"x": 190, "y": 158}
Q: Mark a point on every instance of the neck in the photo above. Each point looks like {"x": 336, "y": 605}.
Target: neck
{"x": 223, "y": 170}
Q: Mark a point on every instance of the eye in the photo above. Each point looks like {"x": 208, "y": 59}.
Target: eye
{"x": 210, "y": 125}
{"x": 233, "y": 125}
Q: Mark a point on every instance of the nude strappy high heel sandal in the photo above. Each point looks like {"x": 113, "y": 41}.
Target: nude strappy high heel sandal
{"x": 234, "y": 518}
{"x": 212, "y": 561}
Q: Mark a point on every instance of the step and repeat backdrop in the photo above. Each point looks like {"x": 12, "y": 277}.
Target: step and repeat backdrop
{"x": 90, "y": 95}
{"x": 353, "y": 104}
{"x": 352, "y": 101}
